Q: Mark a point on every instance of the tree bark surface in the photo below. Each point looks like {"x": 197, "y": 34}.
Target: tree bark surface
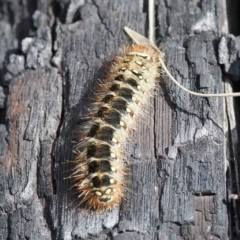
{"x": 182, "y": 156}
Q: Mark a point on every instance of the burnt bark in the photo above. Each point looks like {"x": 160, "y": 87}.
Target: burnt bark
{"x": 183, "y": 155}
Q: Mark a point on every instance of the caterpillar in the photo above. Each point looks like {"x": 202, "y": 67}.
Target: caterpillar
{"x": 100, "y": 171}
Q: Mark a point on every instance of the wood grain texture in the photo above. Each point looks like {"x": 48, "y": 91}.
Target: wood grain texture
{"x": 183, "y": 154}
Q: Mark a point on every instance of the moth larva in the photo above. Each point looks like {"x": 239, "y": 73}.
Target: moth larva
{"x": 100, "y": 170}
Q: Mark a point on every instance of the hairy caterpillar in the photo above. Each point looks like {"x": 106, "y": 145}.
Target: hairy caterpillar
{"x": 100, "y": 171}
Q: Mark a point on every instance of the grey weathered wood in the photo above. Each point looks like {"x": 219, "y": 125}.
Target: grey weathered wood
{"x": 229, "y": 57}
{"x": 192, "y": 200}
{"x": 178, "y": 155}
